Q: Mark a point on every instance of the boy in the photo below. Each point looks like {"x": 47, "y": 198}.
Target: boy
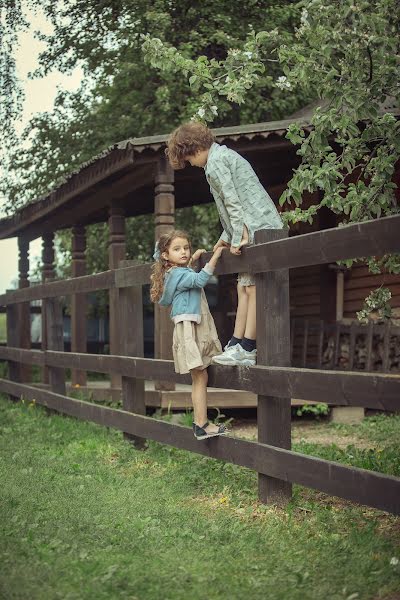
{"x": 244, "y": 207}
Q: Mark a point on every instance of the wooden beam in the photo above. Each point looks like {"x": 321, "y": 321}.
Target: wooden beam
{"x": 343, "y": 388}
{"x": 273, "y": 348}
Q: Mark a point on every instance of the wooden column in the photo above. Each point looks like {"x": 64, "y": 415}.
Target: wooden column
{"x": 164, "y": 216}
{"x": 131, "y": 337}
{"x": 116, "y": 252}
{"x": 55, "y": 341}
{"x": 327, "y": 220}
{"x": 78, "y": 302}
{"x": 13, "y": 335}
{"x": 273, "y": 349}
{"x": 48, "y": 273}
{"x": 24, "y": 307}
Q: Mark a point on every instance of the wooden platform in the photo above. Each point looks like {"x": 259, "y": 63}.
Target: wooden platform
{"x": 180, "y": 398}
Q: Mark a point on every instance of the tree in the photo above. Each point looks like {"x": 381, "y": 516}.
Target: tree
{"x": 124, "y": 96}
{"x": 349, "y": 54}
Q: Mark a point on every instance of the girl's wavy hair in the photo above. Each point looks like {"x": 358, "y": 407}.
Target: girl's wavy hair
{"x": 186, "y": 140}
{"x": 161, "y": 266}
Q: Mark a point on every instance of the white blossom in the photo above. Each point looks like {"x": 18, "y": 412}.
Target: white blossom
{"x": 394, "y": 561}
{"x": 248, "y": 54}
{"x": 214, "y": 110}
{"x": 282, "y": 83}
{"x": 201, "y": 112}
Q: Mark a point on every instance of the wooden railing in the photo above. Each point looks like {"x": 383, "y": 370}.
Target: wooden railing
{"x": 272, "y": 379}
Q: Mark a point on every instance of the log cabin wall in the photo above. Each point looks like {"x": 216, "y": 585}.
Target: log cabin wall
{"x": 359, "y": 282}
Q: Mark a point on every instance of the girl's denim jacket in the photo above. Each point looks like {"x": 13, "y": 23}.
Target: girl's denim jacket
{"x": 182, "y": 289}
{"x": 239, "y": 196}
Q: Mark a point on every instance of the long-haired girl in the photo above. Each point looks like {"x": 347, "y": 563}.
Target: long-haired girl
{"x": 195, "y": 341}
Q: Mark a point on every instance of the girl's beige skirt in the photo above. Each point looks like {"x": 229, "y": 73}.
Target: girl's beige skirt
{"x": 194, "y": 344}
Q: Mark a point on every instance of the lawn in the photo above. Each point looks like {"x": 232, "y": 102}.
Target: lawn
{"x": 85, "y": 516}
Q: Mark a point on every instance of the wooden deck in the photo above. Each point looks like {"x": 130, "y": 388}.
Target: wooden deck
{"x": 180, "y": 398}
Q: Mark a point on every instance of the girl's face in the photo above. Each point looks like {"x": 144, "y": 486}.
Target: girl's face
{"x": 178, "y": 252}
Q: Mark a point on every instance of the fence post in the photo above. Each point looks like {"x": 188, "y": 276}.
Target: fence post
{"x": 131, "y": 344}
{"x": 273, "y": 349}
{"x": 55, "y": 341}
{"x": 13, "y": 334}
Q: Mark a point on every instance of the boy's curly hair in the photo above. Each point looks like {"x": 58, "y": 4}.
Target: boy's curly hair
{"x": 161, "y": 266}
{"x": 186, "y": 140}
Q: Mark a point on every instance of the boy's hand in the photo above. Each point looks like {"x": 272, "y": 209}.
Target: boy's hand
{"x": 244, "y": 242}
{"x": 197, "y": 254}
{"x": 220, "y": 243}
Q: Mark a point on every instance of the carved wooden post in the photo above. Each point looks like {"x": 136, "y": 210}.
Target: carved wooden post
{"x": 164, "y": 215}
{"x": 24, "y": 307}
{"x": 48, "y": 273}
{"x": 13, "y": 334}
{"x": 116, "y": 252}
{"x": 273, "y": 349}
{"x": 131, "y": 344}
{"x": 55, "y": 341}
{"x": 78, "y": 302}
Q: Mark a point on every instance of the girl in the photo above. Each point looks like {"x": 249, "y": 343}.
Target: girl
{"x": 243, "y": 205}
{"x": 195, "y": 340}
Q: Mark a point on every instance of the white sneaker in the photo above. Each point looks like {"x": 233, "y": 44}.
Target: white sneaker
{"x": 236, "y": 355}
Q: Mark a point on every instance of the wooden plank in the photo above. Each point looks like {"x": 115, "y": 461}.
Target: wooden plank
{"x": 320, "y": 343}
{"x": 292, "y": 336}
{"x": 386, "y": 346}
{"x": 305, "y": 342}
{"x": 352, "y": 345}
{"x": 369, "y": 340}
{"x": 358, "y": 485}
{"x": 385, "y": 279}
{"x": 13, "y": 336}
{"x": 24, "y": 356}
{"x": 55, "y": 341}
{"x": 86, "y": 283}
{"x": 273, "y": 348}
{"x": 343, "y": 388}
{"x": 375, "y": 237}
{"x": 131, "y": 337}
{"x": 335, "y": 355}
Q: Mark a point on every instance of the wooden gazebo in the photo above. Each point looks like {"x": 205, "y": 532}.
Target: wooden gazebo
{"x": 133, "y": 178}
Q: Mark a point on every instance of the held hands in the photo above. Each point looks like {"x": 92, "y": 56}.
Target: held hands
{"x": 244, "y": 241}
{"x": 221, "y": 244}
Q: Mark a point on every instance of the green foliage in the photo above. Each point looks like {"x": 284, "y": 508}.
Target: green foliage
{"x": 347, "y": 54}
{"x": 122, "y": 95}
{"x": 318, "y": 410}
{"x": 377, "y": 300}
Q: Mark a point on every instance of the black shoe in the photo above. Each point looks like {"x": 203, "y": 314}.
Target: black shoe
{"x": 200, "y": 433}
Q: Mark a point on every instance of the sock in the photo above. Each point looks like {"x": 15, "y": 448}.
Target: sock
{"x": 233, "y": 341}
{"x": 248, "y": 345}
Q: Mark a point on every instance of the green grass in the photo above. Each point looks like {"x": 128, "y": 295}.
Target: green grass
{"x": 85, "y": 516}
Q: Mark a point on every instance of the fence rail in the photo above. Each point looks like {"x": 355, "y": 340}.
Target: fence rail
{"x": 272, "y": 379}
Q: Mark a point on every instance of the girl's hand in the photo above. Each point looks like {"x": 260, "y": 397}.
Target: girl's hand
{"x": 197, "y": 254}
{"x": 218, "y": 251}
{"x": 221, "y": 244}
{"x": 235, "y": 250}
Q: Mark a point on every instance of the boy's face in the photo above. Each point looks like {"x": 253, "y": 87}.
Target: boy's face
{"x": 199, "y": 159}
{"x": 178, "y": 252}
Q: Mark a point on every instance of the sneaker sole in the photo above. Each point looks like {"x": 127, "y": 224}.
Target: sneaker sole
{"x": 234, "y": 363}
{"x": 210, "y": 435}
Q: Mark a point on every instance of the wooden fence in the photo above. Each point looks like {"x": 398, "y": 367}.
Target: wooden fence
{"x": 272, "y": 379}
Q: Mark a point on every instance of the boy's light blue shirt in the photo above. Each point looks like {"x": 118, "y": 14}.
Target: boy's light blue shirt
{"x": 239, "y": 196}
{"x": 182, "y": 289}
